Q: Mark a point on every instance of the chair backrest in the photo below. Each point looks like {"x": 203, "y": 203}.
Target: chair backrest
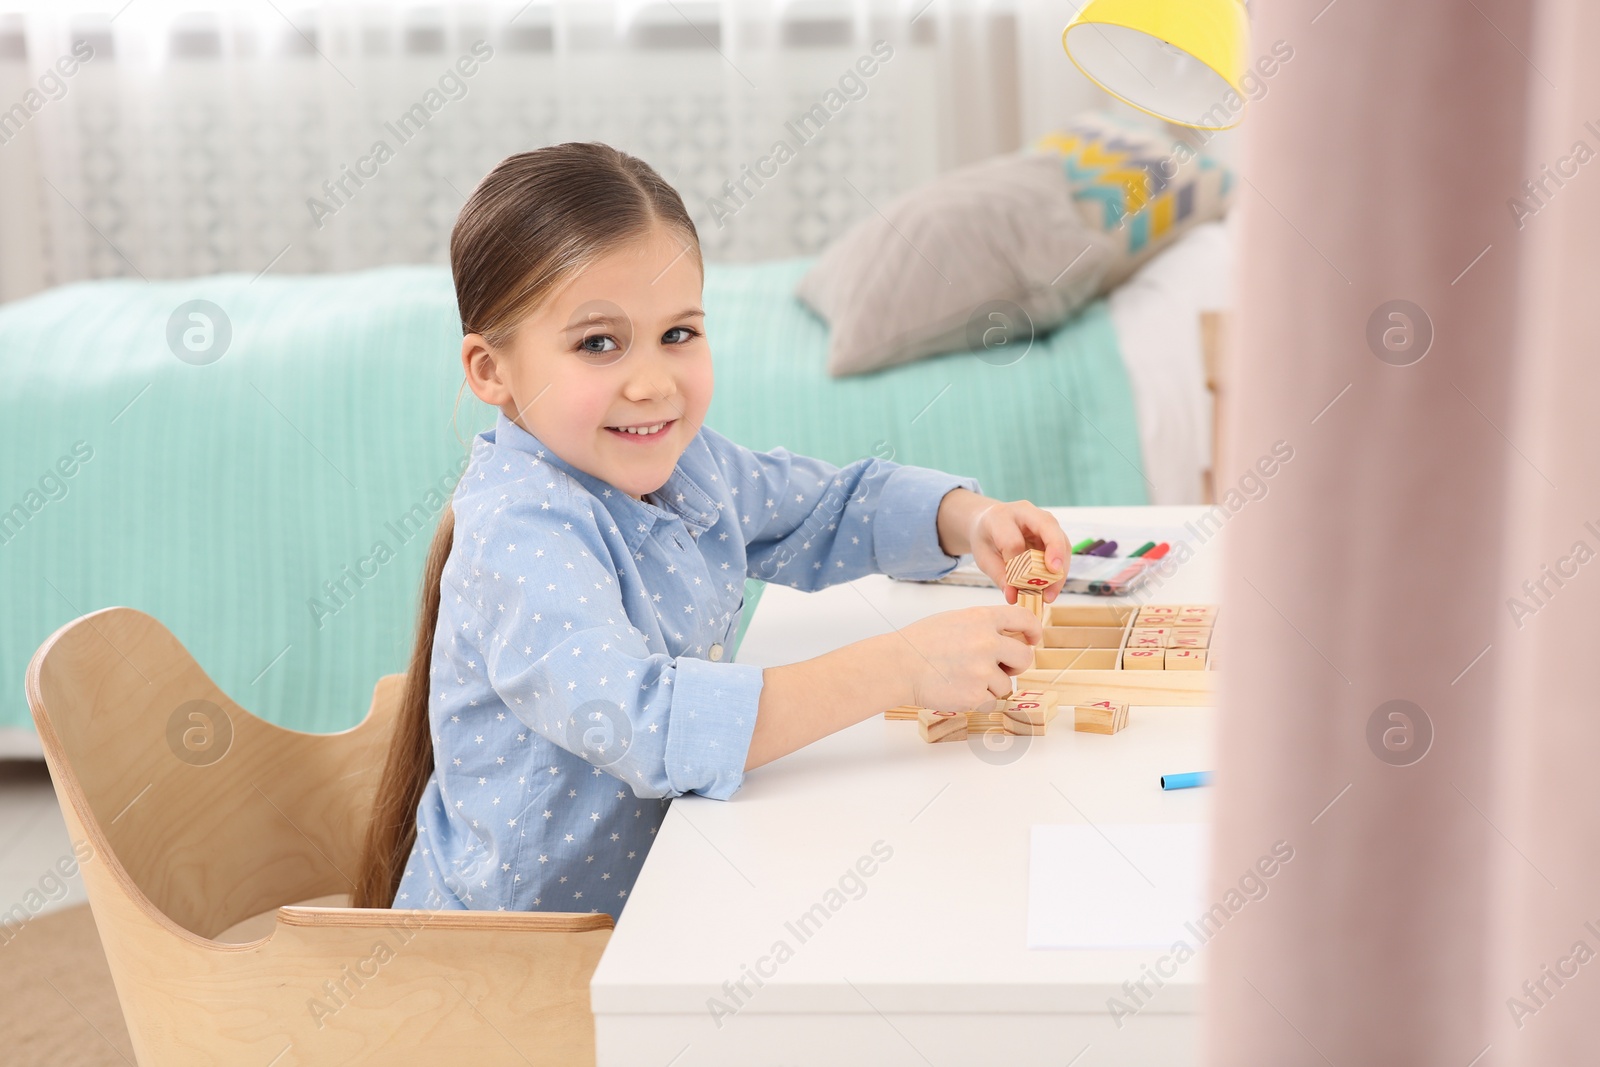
{"x": 196, "y": 814}
{"x": 214, "y": 814}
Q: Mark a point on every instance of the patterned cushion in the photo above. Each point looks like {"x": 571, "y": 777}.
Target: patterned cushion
{"x": 1136, "y": 184}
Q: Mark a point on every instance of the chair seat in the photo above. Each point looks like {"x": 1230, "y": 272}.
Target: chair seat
{"x": 258, "y": 926}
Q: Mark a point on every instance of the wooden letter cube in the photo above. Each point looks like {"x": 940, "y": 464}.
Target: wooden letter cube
{"x": 1185, "y": 659}
{"x": 935, "y": 726}
{"x": 1033, "y": 601}
{"x": 1207, "y": 610}
{"x": 1190, "y": 638}
{"x": 1028, "y": 711}
{"x": 1026, "y": 570}
{"x": 1157, "y": 611}
{"x": 1150, "y": 638}
{"x": 1144, "y": 659}
{"x": 1104, "y": 717}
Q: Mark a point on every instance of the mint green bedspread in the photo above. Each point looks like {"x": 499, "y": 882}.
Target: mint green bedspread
{"x": 231, "y": 500}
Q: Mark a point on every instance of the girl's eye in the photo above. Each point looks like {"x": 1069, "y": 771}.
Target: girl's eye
{"x": 689, "y": 334}
{"x": 598, "y": 344}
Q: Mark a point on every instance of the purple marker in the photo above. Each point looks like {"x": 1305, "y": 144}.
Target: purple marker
{"x": 1107, "y": 549}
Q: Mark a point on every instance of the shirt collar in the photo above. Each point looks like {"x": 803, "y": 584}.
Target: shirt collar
{"x": 680, "y": 493}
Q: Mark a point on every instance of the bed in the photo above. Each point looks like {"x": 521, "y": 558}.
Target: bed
{"x": 260, "y": 487}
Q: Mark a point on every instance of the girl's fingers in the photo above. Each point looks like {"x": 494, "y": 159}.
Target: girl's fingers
{"x": 1047, "y": 533}
{"x": 991, "y": 563}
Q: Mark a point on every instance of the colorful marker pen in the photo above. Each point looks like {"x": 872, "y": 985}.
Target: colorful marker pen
{"x": 1185, "y": 781}
{"x": 1133, "y": 568}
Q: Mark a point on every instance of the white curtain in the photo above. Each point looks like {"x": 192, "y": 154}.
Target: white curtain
{"x": 167, "y": 140}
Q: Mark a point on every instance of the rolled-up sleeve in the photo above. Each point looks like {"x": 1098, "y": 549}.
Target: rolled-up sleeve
{"x": 810, "y": 524}
{"x": 906, "y": 534}
{"x": 560, "y": 651}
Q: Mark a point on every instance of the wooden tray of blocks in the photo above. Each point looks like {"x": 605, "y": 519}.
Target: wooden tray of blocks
{"x": 1154, "y": 655}
{"x": 1096, "y": 659}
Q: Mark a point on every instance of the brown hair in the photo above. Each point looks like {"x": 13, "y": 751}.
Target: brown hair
{"x": 535, "y": 219}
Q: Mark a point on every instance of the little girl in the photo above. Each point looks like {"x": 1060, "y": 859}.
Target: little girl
{"x": 569, "y": 673}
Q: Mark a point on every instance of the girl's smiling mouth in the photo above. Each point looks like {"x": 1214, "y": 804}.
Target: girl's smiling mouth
{"x": 644, "y": 431}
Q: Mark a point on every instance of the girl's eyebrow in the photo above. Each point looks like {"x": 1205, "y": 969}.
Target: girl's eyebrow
{"x": 597, "y": 319}
{"x": 594, "y": 318}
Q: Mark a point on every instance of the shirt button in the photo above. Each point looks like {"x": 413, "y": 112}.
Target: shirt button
{"x": 716, "y": 653}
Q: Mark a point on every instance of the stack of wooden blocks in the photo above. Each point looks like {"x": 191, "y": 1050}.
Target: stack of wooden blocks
{"x": 1026, "y": 711}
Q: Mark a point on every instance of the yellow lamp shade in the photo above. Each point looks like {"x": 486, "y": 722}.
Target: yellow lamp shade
{"x": 1175, "y": 59}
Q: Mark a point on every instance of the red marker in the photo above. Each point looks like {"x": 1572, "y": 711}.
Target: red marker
{"x": 1135, "y": 566}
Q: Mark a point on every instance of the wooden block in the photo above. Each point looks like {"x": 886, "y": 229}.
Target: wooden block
{"x": 1075, "y": 659}
{"x": 1192, "y": 621}
{"x": 1101, "y": 717}
{"x": 1148, "y": 637}
{"x": 1190, "y": 638}
{"x": 1186, "y": 659}
{"x": 1157, "y": 611}
{"x": 936, "y": 726}
{"x": 1028, "y": 712}
{"x": 1032, "y": 707}
{"x": 1019, "y": 728}
{"x": 1144, "y": 659}
{"x": 1139, "y": 688}
{"x": 1033, "y": 601}
{"x": 1026, "y": 570}
{"x": 1208, "y": 610}
{"x": 1082, "y": 636}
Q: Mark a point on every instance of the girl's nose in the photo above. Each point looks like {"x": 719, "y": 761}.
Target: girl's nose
{"x": 649, "y": 375}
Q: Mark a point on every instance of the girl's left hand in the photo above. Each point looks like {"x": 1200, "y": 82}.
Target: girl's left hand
{"x": 1006, "y": 529}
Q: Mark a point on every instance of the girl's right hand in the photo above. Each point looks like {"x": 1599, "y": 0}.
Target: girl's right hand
{"x": 958, "y": 660}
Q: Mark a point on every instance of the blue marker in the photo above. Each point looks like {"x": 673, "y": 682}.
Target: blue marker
{"x": 1185, "y": 781}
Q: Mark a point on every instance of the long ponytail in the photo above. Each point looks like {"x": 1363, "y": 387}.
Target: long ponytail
{"x": 393, "y": 828}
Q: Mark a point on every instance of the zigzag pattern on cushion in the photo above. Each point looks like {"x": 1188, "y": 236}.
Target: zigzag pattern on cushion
{"x": 1123, "y": 177}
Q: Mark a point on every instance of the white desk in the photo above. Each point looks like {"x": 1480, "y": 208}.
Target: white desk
{"x": 927, "y": 962}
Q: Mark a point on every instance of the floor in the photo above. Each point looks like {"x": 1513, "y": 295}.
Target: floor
{"x": 33, "y": 837}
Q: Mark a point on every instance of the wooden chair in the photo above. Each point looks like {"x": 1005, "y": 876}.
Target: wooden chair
{"x": 217, "y": 850}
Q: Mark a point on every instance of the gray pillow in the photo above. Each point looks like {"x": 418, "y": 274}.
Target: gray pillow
{"x": 945, "y": 267}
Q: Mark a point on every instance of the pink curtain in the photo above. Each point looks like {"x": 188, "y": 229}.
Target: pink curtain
{"x": 1442, "y": 903}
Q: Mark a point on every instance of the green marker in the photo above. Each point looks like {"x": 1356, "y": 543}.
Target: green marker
{"x": 1082, "y": 546}
{"x": 1142, "y": 549}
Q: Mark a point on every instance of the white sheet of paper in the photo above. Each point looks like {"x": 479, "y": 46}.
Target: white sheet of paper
{"x": 1115, "y": 885}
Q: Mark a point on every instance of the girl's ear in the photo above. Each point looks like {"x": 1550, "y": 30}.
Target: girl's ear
{"x": 480, "y": 363}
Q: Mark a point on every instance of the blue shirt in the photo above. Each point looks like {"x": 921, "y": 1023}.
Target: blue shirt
{"x": 578, "y": 681}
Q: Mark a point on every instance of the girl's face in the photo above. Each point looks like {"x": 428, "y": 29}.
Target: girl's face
{"x": 620, "y": 348}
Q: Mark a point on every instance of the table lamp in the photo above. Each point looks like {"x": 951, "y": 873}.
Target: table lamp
{"x": 1174, "y": 59}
